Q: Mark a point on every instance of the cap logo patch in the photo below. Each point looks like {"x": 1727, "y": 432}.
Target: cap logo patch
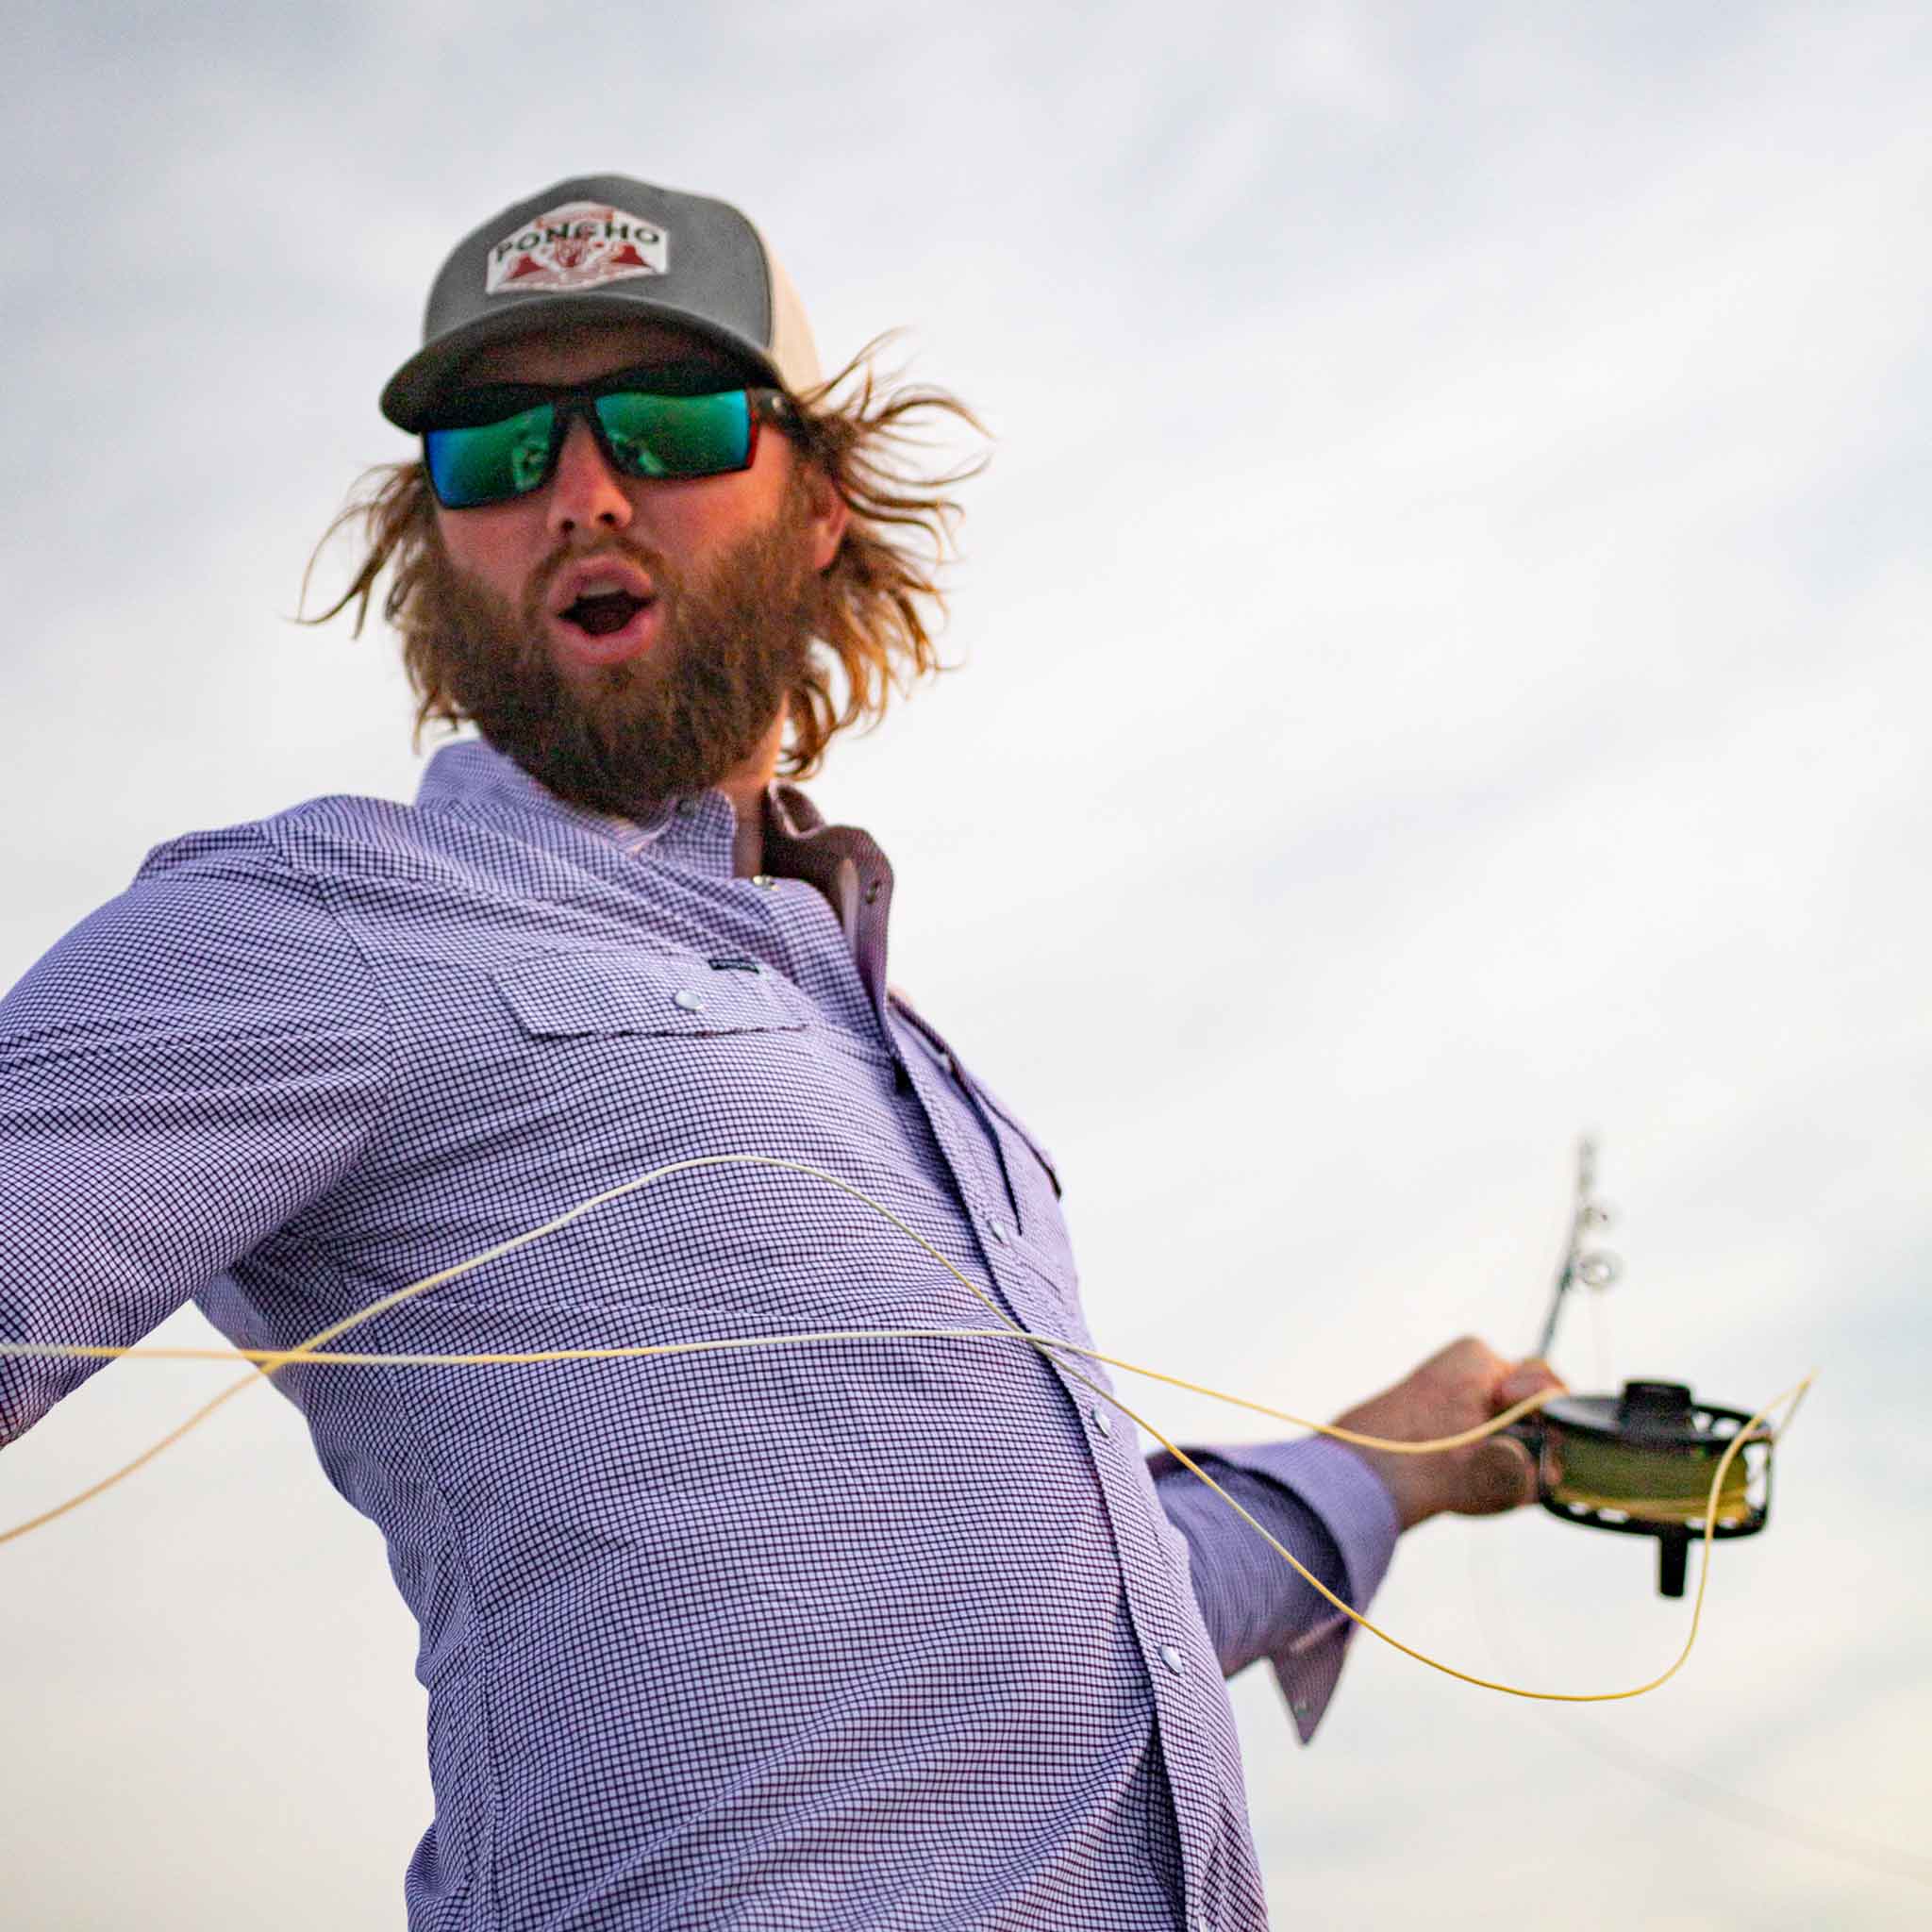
{"x": 576, "y": 246}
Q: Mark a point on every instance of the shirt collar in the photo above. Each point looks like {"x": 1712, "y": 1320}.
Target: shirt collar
{"x": 843, "y": 862}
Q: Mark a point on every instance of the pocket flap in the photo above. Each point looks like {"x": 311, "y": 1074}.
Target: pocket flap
{"x": 564, "y": 995}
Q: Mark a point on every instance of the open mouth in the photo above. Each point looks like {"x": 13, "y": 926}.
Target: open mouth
{"x": 603, "y": 613}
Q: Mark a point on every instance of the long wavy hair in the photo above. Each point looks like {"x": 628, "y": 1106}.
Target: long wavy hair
{"x": 879, "y": 605}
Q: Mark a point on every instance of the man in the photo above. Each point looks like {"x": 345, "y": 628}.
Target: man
{"x": 853, "y": 1633}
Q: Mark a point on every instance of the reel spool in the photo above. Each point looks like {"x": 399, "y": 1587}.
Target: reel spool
{"x": 1640, "y": 1463}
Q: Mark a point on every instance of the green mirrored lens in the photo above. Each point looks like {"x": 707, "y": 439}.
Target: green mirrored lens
{"x": 489, "y": 462}
{"x": 676, "y": 436}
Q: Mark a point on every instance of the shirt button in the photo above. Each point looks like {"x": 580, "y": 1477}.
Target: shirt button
{"x": 1173, "y": 1658}
{"x": 1102, "y": 1421}
{"x": 997, "y": 1230}
{"x": 872, "y": 892}
{"x": 687, "y": 807}
{"x": 766, "y": 880}
{"x": 1302, "y": 1706}
{"x": 689, "y": 1001}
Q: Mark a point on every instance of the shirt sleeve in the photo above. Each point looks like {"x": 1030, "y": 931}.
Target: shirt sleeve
{"x": 182, "y": 1074}
{"x": 1317, "y": 1499}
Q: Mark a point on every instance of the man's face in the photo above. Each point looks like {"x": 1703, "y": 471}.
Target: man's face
{"x": 627, "y": 638}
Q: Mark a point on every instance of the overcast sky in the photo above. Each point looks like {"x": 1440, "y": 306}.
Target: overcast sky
{"x": 1446, "y": 667}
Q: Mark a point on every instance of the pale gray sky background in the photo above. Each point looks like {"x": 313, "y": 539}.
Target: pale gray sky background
{"x": 1446, "y": 667}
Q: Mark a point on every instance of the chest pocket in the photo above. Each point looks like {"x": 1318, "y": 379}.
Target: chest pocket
{"x": 1024, "y": 1162}
{"x": 1033, "y": 1185}
{"x": 1029, "y": 1156}
{"x": 667, "y": 996}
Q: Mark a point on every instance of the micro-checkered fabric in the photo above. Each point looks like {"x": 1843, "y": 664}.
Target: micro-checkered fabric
{"x": 852, "y": 1634}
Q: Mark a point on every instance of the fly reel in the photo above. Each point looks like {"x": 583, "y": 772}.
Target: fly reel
{"x": 1641, "y": 1463}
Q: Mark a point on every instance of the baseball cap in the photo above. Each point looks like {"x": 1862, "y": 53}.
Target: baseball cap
{"x": 605, "y": 247}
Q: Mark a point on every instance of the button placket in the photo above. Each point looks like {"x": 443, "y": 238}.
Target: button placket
{"x": 964, "y": 1171}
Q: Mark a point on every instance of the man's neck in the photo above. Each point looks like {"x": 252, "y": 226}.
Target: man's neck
{"x": 747, "y": 796}
{"x": 745, "y": 788}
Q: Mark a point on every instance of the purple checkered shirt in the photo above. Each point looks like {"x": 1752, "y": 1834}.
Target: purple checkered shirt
{"x": 885, "y": 1634}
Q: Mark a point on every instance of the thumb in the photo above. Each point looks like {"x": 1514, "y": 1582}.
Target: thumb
{"x": 1502, "y": 1477}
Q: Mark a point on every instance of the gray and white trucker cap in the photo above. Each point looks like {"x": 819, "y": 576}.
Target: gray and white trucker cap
{"x": 605, "y": 247}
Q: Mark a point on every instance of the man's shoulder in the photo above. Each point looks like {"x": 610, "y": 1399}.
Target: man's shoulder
{"x": 223, "y": 917}
{"x": 474, "y": 811}
{"x": 216, "y": 928}
{"x": 345, "y": 836}
{"x": 290, "y": 839}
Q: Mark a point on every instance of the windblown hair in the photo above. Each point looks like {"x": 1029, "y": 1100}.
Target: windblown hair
{"x": 879, "y": 605}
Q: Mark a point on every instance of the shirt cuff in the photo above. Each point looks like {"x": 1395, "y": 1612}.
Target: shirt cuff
{"x": 1353, "y": 1505}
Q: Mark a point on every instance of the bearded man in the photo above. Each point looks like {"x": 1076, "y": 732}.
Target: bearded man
{"x": 892, "y": 1626}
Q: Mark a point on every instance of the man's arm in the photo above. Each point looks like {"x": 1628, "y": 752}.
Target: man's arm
{"x": 1340, "y": 1509}
{"x": 182, "y": 1074}
{"x": 1317, "y": 1499}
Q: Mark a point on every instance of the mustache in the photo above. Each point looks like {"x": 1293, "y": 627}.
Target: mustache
{"x": 663, "y": 572}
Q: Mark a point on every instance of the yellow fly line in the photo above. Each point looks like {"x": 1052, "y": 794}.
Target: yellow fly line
{"x": 1721, "y": 1500}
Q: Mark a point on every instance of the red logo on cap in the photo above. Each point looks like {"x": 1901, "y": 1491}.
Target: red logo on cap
{"x": 576, "y": 246}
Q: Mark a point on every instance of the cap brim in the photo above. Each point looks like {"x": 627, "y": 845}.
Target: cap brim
{"x": 412, "y": 392}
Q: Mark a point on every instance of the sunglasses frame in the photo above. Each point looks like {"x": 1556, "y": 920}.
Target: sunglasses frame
{"x": 491, "y": 403}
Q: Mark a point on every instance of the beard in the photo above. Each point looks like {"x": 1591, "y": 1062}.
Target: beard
{"x": 732, "y": 644}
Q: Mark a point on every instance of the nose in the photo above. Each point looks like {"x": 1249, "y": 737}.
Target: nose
{"x": 585, "y": 494}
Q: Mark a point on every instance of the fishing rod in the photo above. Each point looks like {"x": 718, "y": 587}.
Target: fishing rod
{"x": 1641, "y": 1462}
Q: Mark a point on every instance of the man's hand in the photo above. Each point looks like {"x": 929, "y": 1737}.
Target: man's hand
{"x": 1457, "y": 1389}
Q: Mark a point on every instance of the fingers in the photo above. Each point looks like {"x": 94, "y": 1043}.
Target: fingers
{"x": 1467, "y": 1358}
{"x": 1502, "y": 1477}
{"x": 1459, "y": 1387}
{"x": 1530, "y": 1377}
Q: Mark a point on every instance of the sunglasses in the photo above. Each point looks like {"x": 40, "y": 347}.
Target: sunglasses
{"x": 495, "y": 443}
